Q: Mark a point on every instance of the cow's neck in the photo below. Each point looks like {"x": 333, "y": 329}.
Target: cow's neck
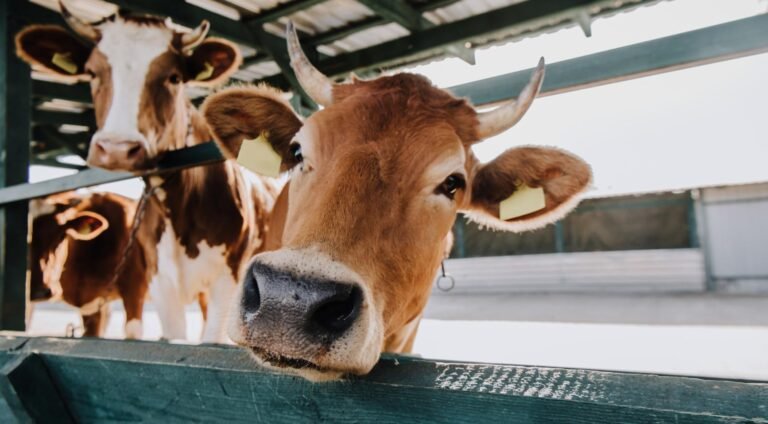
{"x": 193, "y": 200}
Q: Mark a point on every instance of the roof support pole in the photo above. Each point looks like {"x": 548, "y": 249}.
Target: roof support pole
{"x": 15, "y": 120}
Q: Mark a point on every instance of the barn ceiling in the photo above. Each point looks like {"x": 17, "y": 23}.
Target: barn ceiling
{"x": 340, "y": 36}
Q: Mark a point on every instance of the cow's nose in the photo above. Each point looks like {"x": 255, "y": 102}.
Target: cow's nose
{"x": 278, "y": 302}
{"x": 108, "y": 153}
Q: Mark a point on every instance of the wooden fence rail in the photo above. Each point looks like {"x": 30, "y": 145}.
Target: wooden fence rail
{"x": 82, "y": 380}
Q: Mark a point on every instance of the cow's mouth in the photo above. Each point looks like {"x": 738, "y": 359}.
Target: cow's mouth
{"x": 281, "y": 361}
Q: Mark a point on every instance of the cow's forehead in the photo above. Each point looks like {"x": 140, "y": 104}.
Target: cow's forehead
{"x": 133, "y": 45}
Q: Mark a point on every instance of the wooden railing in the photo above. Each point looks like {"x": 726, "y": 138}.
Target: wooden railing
{"x": 81, "y": 380}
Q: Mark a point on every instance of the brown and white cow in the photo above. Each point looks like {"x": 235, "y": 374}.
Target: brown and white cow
{"x": 206, "y": 222}
{"x": 377, "y": 178}
{"x": 78, "y": 242}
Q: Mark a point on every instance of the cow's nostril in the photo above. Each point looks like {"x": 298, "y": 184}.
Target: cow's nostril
{"x": 340, "y": 312}
{"x": 251, "y": 295}
{"x": 134, "y": 151}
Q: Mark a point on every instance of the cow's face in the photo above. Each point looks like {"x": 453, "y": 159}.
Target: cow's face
{"x": 377, "y": 178}
{"x": 137, "y": 68}
{"x": 55, "y": 221}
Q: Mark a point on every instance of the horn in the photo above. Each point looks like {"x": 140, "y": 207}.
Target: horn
{"x": 507, "y": 115}
{"x": 314, "y": 83}
{"x": 192, "y": 39}
{"x": 82, "y": 28}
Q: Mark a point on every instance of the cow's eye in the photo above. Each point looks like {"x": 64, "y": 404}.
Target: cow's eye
{"x": 295, "y": 150}
{"x": 174, "y": 79}
{"x": 451, "y": 185}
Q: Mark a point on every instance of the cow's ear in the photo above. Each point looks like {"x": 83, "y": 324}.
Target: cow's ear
{"x": 213, "y": 62}
{"x": 536, "y": 185}
{"x": 236, "y": 114}
{"x": 53, "y": 49}
{"x": 85, "y": 225}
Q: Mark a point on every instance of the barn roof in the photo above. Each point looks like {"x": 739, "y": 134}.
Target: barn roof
{"x": 340, "y": 36}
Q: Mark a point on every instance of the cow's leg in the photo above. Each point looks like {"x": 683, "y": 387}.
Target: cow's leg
{"x": 170, "y": 308}
{"x": 220, "y": 300}
{"x": 96, "y": 323}
{"x": 134, "y": 308}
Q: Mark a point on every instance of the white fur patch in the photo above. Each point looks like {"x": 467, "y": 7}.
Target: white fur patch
{"x": 93, "y": 306}
{"x": 52, "y": 268}
{"x": 129, "y": 49}
{"x": 179, "y": 280}
{"x": 134, "y": 329}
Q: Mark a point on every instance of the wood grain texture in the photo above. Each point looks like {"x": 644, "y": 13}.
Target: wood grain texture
{"x": 106, "y": 381}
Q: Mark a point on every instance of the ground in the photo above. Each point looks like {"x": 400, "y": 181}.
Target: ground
{"x": 705, "y": 335}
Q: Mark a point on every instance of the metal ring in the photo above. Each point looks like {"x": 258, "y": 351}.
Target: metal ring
{"x": 443, "y": 287}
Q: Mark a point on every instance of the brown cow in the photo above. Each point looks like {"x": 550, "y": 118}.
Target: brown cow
{"x": 78, "y": 242}
{"x": 206, "y": 222}
{"x": 377, "y": 178}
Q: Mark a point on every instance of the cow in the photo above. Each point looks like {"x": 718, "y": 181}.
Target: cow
{"x": 79, "y": 242}
{"x": 206, "y": 221}
{"x": 377, "y": 177}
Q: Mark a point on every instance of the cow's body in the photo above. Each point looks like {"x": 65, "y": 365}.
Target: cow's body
{"x": 206, "y": 222}
{"x": 77, "y": 264}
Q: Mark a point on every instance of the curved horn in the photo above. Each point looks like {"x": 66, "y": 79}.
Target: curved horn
{"x": 314, "y": 83}
{"x": 82, "y": 28}
{"x": 192, "y": 39}
{"x": 506, "y": 116}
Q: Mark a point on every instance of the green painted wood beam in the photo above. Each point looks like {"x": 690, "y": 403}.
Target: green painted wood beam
{"x": 15, "y": 124}
{"x": 401, "y": 12}
{"x": 200, "y": 155}
{"x": 281, "y": 10}
{"x": 26, "y": 386}
{"x": 47, "y": 117}
{"x": 51, "y": 90}
{"x": 76, "y": 144}
{"x": 726, "y": 41}
{"x": 101, "y": 380}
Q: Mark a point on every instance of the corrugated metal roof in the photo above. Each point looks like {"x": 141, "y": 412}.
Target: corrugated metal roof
{"x": 333, "y": 15}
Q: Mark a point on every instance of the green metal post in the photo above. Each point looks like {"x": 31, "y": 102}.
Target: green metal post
{"x": 15, "y": 118}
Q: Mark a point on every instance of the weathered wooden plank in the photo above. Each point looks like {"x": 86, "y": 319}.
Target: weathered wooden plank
{"x": 36, "y": 398}
{"x": 176, "y": 383}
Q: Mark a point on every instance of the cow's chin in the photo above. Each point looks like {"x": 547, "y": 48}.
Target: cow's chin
{"x": 298, "y": 367}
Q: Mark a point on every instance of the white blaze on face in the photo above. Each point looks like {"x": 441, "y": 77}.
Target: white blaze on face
{"x": 129, "y": 49}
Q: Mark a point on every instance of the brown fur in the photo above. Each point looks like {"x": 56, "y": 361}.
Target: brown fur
{"x": 90, "y": 265}
{"x": 363, "y": 195}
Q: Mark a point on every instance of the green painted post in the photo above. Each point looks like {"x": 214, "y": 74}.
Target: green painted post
{"x": 15, "y": 118}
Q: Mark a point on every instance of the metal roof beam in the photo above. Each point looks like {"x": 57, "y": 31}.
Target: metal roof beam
{"x": 281, "y": 10}
{"x": 405, "y": 15}
{"x": 717, "y": 43}
{"x": 431, "y": 41}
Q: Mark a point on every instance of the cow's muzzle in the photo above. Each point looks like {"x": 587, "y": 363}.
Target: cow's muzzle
{"x": 306, "y": 321}
{"x": 118, "y": 155}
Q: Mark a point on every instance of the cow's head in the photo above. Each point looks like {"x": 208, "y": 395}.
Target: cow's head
{"x": 377, "y": 178}
{"x": 137, "y": 67}
{"x": 55, "y": 221}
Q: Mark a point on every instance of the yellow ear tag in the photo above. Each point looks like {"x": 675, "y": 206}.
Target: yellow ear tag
{"x": 522, "y": 202}
{"x": 205, "y": 73}
{"x": 63, "y": 61}
{"x": 259, "y": 156}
